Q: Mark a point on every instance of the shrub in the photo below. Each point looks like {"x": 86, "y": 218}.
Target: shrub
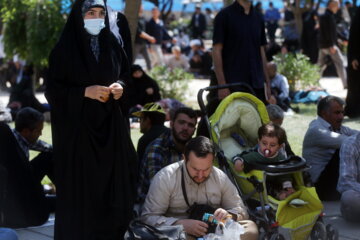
{"x": 299, "y": 71}
{"x": 173, "y": 83}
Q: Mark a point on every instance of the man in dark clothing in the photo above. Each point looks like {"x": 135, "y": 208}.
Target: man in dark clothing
{"x": 238, "y": 49}
{"x": 141, "y": 38}
{"x": 25, "y": 203}
{"x": 328, "y": 41}
{"x": 352, "y": 109}
{"x": 155, "y": 27}
{"x": 152, "y": 118}
{"x": 198, "y": 24}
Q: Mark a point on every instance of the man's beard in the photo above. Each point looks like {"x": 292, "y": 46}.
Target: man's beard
{"x": 178, "y": 139}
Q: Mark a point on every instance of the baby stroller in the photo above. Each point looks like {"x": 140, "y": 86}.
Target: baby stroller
{"x": 242, "y": 114}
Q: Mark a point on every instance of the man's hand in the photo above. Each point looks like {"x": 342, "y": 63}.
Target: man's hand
{"x": 332, "y": 50}
{"x": 97, "y": 92}
{"x": 193, "y": 227}
{"x": 355, "y": 64}
{"x": 149, "y": 91}
{"x": 117, "y": 90}
{"x": 223, "y": 93}
{"x": 152, "y": 40}
{"x": 220, "y": 214}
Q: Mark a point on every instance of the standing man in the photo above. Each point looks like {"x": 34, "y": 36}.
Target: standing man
{"x": 198, "y": 24}
{"x": 328, "y": 41}
{"x": 167, "y": 148}
{"x": 272, "y": 16}
{"x": 141, "y": 38}
{"x": 239, "y": 49}
{"x": 155, "y": 27}
{"x": 321, "y": 146}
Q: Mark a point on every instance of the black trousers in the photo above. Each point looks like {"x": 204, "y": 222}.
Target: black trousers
{"x": 327, "y": 182}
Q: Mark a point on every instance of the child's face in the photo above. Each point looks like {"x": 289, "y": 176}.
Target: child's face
{"x": 269, "y": 146}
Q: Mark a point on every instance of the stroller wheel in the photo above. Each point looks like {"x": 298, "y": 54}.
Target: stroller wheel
{"x": 319, "y": 231}
{"x": 332, "y": 233}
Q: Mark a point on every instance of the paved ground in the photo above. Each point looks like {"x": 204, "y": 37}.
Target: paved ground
{"x": 346, "y": 231}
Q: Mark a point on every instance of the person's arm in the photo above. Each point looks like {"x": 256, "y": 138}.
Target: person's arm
{"x": 41, "y": 146}
{"x": 267, "y": 79}
{"x": 147, "y": 37}
{"x": 218, "y": 68}
{"x": 231, "y": 201}
{"x": 157, "y": 201}
{"x": 218, "y": 44}
{"x": 349, "y": 157}
{"x": 325, "y": 138}
{"x": 284, "y": 88}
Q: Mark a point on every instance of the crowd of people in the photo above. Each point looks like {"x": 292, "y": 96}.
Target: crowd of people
{"x": 93, "y": 87}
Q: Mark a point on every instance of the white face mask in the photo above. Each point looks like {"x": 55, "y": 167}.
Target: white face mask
{"x": 94, "y": 26}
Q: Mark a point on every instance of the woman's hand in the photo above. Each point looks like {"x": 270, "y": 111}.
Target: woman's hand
{"x": 117, "y": 90}
{"x": 149, "y": 91}
{"x": 97, "y": 92}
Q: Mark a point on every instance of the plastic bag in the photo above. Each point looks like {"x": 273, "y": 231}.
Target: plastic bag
{"x": 229, "y": 231}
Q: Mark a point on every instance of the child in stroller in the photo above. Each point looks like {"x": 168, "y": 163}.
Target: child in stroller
{"x": 270, "y": 148}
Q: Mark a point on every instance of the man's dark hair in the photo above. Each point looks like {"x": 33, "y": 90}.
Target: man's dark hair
{"x": 185, "y": 110}
{"x": 272, "y": 130}
{"x": 155, "y": 118}
{"x": 201, "y": 146}
{"x": 324, "y": 104}
{"x": 28, "y": 118}
{"x": 271, "y": 4}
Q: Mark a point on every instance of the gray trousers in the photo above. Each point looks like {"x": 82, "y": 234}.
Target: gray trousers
{"x": 142, "y": 49}
{"x": 350, "y": 205}
{"x": 338, "y": 60}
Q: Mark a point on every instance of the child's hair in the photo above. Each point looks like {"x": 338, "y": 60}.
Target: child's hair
{"x": 272, "y": 130}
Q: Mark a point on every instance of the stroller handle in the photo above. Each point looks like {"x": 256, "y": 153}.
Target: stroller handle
{"x": 216, "y": 87}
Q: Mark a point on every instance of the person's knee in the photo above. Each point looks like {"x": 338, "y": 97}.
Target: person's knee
{"x": 8, "y": 234}
{"x": 250, "y": 230}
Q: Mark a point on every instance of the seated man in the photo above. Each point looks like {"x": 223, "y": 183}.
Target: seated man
{"x": 25, "y": 203}
{"x": 279, "y": 86}
{"x": 168, "y": 200}
{"x": 349, "y": 181}
{"x": 321, "y": 146}
{"x": 167, "y": 148}
{"x": 178, "y": 60}
{"x": 152, "y": 118}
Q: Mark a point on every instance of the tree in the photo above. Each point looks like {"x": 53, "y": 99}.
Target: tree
{"x": 132, "y": 13}
{"x": 31, "y": 28}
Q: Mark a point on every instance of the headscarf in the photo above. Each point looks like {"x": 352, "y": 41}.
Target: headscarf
{"x": 94, "y": 40}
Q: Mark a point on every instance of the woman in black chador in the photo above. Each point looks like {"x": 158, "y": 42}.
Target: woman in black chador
{"x": 352, "y": 108}
{"x": 95, "y": 161}
{"x": 146, "y": 88}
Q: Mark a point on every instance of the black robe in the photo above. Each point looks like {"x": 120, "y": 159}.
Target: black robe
{"x": 140, "y": 85}
{"x": 352, "y": 108}
{"x": 95, "y": 161}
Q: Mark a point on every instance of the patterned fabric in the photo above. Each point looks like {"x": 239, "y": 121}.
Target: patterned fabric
{"x": 90, "y": 4}
{"x": 160, "y": 153}
{"x": 95, "y": 47}
{"x": 349, "y": 165}
{"x": 39, "y": 146}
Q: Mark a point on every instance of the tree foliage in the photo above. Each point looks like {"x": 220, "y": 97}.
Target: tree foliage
{"x": 32, "y": 27}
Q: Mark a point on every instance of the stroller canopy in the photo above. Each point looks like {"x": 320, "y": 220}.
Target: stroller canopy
{"x": 236, "y": 121}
